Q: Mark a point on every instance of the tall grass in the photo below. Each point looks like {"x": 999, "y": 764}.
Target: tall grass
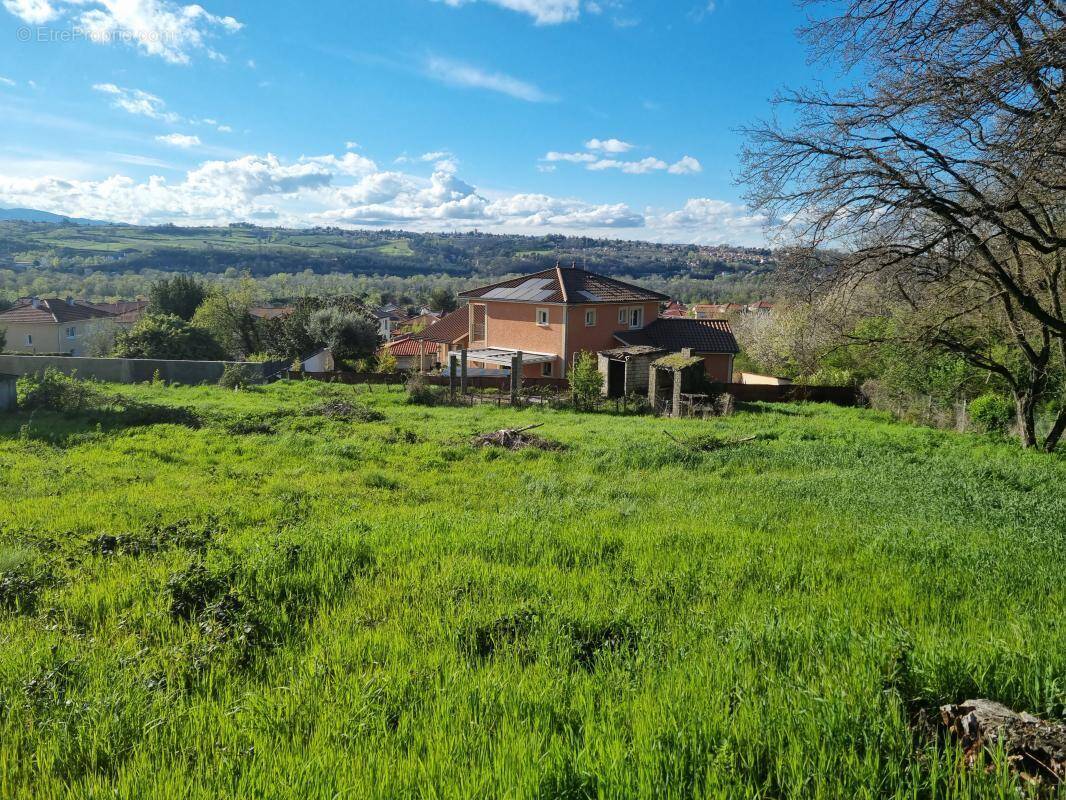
{"x": 329, "y": 607}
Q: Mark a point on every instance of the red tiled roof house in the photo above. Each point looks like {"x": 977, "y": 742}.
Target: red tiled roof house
{"x": 552, "y": 316}
{"x": 49, "y": 325}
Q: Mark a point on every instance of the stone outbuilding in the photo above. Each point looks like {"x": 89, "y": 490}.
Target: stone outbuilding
{"x": 625, "y": 370}
{"x": 672, "y": 376}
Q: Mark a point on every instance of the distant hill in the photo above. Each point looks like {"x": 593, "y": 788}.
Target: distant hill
{"x": 32, "y": 215}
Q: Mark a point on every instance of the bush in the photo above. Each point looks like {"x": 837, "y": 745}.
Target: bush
{"x": 164, "y": 336}
{"x": 239, "y": 376}
{"x": 420, "y": 393}
{"x": 992, "y": 413}
{"x": 55, "y": 391}
{"x": 586, "y": 380}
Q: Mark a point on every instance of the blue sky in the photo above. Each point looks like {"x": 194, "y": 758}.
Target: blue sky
{"x": 607, "y": 117}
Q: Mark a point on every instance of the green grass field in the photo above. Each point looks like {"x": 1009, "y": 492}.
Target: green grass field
{"x": 281, "y": 604}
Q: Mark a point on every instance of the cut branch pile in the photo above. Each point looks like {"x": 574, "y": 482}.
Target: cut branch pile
{"x": 1036, "y": 749}
{"x": 516, "y": 439}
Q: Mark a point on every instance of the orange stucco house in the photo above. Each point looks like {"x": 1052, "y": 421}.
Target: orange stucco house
{"x": 552, "y": 316}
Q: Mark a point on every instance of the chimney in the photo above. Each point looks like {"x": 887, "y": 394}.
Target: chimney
{"x": 36, "y": 301}
{"x": 686, "y": 352}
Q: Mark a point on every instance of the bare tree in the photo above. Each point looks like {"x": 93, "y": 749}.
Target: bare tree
{"x": 941, "y": 174}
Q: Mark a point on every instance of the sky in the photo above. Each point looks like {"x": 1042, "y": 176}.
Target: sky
{"x": 616, "y": 118}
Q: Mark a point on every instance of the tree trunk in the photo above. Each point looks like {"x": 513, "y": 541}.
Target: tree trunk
{"x": 1057, "y": 430}
{"x": 1026, "y": 405}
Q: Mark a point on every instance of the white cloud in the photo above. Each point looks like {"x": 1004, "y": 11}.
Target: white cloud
{"x": 686, "y": 166}
{"x": 352, "y": 146}
{"x": 135, "y": 101}
{"x": 544, "y": 12}
{"x": 32, "y": 12}
{"x": 595, "y": 162}
{"x": 349, "y": 190}
{"x": 642, "y": 167}
{"x": 156, "y": 27}
{"x": 573, "y": 158}
{"x": 179, "y": 140}
{"x": 437, "y": 155}
{"x": 225, "y": 129}
{"x": 706, "y": 221}
{"x": 608, "y": 145}
{"x": 456, "y": 73}
{"x": 6, "y": 81}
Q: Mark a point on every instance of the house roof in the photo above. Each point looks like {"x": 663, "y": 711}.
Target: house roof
{"x": 559, "y": 285}
{"x": 271, "y": 312}
{"x": 403, "y": 347}
{"x": 50, "y": 310}
{"x": 119, "y": 307}
{"x": 449, "y": 329}
{"x": 701, "y": 335}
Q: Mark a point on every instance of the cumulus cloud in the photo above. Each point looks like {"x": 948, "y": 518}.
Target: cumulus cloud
{"x": 179, "y": 140}
{"x": 544, "y": 12}
{"x": 608, "y": 145}
{"x": 350, "y": 190}
{"x": 457, "y": 73}
{"x": 156, "y": 27}
{"x": 686, "y": 166}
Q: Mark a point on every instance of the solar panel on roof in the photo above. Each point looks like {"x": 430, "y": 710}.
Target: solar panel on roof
{"x": 543, "y": 294}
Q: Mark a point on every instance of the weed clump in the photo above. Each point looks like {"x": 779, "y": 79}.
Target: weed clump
{"x": 592, "y": 639}
{"x": 193, "y": 589}
{"x": 420, "y": 393}
{"x": 156, "y": 537}
{"x": 21, "y": 581}
{"x": 485, "y": 640}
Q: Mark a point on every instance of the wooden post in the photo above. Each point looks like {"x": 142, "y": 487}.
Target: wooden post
{"x": 463, "y": 377}
{"x": 453, "y": 367}
{"x": 677, "y": 393}
{"x": 516, "y": 378}
{"x": 653, "y": 388}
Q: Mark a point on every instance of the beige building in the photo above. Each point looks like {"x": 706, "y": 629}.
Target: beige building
{"x": 49, "y": 325}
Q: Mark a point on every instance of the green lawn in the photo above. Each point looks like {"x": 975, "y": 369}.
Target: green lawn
{"x": 279, "y": 604}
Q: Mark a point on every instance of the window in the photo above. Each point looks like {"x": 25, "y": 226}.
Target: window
{"x": 72, "y": 333}
{"x": 542, "y": 317}
{"x": 590, "y": 318}
{"x": 29, "y": 340}
{"x": 631, "y": 316}
{"x": 546, "y": 369}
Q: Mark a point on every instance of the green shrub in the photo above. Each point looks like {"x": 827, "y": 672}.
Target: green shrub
{"x": 992, "y": 412}
{"x": 420, "y": 393}
{"x": 586, "y": 380}
{"x": 54, "y": 391}
{"x": 239, "y": 376}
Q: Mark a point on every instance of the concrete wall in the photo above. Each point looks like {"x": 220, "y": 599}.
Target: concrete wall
{"x": 126, "y": 370}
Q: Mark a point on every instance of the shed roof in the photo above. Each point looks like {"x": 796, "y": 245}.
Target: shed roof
{"x": 632, "y": 352}
{"x": 677, "y": 361}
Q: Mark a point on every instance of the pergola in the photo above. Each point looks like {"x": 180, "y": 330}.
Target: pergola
{"x": 505, "y": 358}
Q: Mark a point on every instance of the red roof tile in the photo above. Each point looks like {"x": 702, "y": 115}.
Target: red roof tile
{"x": 448, "y": 330}
{"x": 50, "y": 310}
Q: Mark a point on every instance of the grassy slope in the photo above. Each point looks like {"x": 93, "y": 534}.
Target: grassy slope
{"x": 432, "y": 620}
